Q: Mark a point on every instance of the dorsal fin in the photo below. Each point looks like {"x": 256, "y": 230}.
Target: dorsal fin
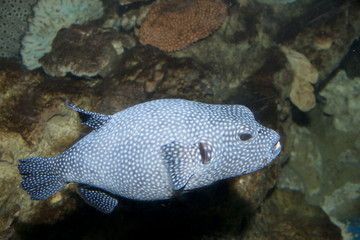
{"x": 90, "y": 119}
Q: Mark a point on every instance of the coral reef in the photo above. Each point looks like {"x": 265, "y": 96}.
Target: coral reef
{"x": 84, "y": 50}
{"x": 48, "y": 18}
{"x": 174, "y": 25}
{"x": 301, "y": 91}
{"x": 241, "y": 63}
{"x": 13, "y": 24}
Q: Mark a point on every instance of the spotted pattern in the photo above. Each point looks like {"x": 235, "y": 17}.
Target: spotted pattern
{"x": 93, "y": 120}
{"x": 37, "y": 173}
{"x": 151, "y": 150}
{"x": 100, "y": 200}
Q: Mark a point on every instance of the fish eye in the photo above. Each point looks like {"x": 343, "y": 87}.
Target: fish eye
{"x": 245, "y": 136}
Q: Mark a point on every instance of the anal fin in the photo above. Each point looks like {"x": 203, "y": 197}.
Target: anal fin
{"x": 98, "y": 199}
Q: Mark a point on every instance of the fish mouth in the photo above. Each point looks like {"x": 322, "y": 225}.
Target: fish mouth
{"x": 276, "y": 149}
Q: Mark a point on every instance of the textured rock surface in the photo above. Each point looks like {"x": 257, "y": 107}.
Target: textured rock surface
{"x": 301, "y": 91}
{"x": 286, "y": 215}
{"x": 35, "y": 121}
{"x": 84, "y": 50}
{"x": 174, "y": 25}
{"x": 338, "y": 24}
{"x": 276, "y": 2}
{"x": 148, "y": 74}
{"x": 324, "y": 165}
{"x": 342, "y": 102}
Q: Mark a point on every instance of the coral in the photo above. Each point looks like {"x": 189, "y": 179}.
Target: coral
{"x": 84, "y": 50}
{"x": 174, "y": 25}
{"x": 49, "y": 17}
{"x": 301, "y": 90}
{"x": 13, "y": 25}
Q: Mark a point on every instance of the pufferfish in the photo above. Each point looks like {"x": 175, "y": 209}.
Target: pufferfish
{"x": 153, "y": 150}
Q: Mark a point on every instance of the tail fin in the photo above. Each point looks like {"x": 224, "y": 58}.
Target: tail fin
{"x": 41, "y": 178}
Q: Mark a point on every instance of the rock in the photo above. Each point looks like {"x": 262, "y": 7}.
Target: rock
{"x": 125, "y": 2}
{"x": 34, "y": 122}
{"x": 323, "y": 41}
{"x": 255, "y": 187}
{"x": 286, "y": 215}
{"x": 328, "y": 176}
{"x": 301, "y": 91}
{"x": 29, "y": 100}
{"x": 326, "y": 39}
{"x": 342, "y": 102}
{"x": 150, "y": 74}
{"x": 276, "y": 2}
{"x": 84, "y": 50}
{"x": 343, "y": 203}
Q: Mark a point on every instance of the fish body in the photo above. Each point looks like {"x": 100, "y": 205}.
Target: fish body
{"x": 152, "y": 150}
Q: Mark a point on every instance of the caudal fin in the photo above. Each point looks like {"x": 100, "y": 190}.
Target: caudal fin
{"x": 41, "y": 179}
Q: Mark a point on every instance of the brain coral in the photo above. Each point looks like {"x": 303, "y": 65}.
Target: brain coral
{"x": 13, "y": 24}
{"x": 49, "y": 17}
{"x": 174, "y": 25}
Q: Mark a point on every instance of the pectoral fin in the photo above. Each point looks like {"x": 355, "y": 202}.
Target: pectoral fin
{"x": 183, "y": 161}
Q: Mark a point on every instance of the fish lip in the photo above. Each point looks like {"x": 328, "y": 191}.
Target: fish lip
{"x": 276, "y": 149}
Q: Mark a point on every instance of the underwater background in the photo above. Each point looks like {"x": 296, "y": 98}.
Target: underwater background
{"x": 294, "y": 63}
